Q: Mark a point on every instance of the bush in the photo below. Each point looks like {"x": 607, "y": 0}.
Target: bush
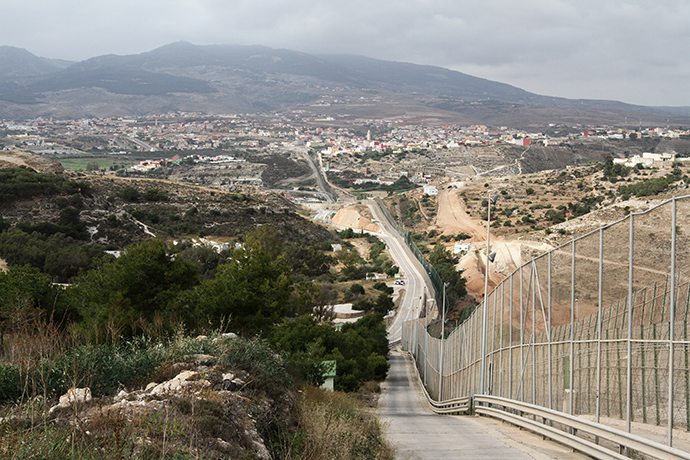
{"x": 130, "y": 194}
{"x": 258, "y": 359}
{"x": 383, "y": 287}
{"x": 357, "y": 288}
{"x": 153, "y": 194}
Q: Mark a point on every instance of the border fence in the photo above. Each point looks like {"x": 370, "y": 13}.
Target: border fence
{"x": 596, "y": 328}
{"x": 436, "y": 281}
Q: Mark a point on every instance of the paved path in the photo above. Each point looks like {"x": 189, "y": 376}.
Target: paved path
{"x": 419, "y": 434}
{"x": 415, "y": 431}
{"x": 418, "y": 285}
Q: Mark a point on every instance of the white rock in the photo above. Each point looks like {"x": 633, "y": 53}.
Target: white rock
{"x": 225, "y": 336}
{"x": 180, "y": 381}
{"x": 75, "y": 395}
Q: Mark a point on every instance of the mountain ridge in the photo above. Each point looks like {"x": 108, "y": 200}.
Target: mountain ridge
{"x": 217, "y": 79}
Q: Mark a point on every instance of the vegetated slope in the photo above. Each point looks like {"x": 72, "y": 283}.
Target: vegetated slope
{"x": 239, "y": 79}
{"x": 121, "y": 211}
{"x": 207, "y": 397}
{"x": 535, "y": 212}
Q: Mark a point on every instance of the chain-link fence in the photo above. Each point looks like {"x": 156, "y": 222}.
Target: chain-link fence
{"x": 596, "y": 327}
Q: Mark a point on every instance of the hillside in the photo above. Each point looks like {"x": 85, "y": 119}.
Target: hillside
{"x": 19, "y": 63}
{"x": 533, "y": 213}
{"x": 221, "y": 79}
{"x": 166, "y": 209}
{"x": 117, "y": 335}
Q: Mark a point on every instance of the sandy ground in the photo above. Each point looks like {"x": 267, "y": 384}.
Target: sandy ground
{"x": 452, "y": 217}
{"x": 357, "y": 216}
{"x": 13, "y": 159}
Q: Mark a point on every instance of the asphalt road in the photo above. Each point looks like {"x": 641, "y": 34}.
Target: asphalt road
{"x": 413, "y": 429}
{"x": 416, "y": 288}
{"x": 419, "y": 434}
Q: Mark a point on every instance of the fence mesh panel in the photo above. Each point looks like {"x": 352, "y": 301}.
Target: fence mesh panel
{"x": 597, "y": 327}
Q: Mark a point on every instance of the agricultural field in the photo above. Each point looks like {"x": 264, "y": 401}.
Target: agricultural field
{"x": 83, "y": 164}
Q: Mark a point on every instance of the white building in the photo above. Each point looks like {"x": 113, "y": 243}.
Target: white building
{"x": 430, "y": 190}
{"x": 647, "y": 159}
{"x": 462, "y": 247}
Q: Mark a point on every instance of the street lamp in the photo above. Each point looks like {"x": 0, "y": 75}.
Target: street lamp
{"x": 485, "y": 314}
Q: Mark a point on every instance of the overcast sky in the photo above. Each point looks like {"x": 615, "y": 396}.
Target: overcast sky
{"x": 634, "y": 51}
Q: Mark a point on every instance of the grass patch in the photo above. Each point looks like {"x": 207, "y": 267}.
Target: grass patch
{"x": 79, "y": 164}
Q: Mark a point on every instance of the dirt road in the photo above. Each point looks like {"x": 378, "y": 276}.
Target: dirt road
{"x": 452, "y": 217}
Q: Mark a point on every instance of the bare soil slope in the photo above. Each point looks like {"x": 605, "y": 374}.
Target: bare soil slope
{"x": 357, "y": 216}
{"x": 452, "y": 217}
{"x": 12, "y": 158}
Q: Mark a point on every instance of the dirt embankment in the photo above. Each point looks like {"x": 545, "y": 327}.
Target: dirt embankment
{"x": 12, "y": 158}
{"x": 357, "y": 216}
{"x": 453, "y": 219}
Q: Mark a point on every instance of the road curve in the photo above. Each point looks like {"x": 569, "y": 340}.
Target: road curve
{"x": 416, "y": 288}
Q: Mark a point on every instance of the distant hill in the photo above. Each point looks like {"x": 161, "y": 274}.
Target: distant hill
{"x": 220, "y": 79}
{"x": 19, "y": 63}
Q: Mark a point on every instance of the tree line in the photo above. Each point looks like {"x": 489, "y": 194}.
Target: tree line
{"x": 261, "y": 289}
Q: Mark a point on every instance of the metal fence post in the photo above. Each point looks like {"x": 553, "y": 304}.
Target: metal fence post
{"x": 672, "y": 325}
{"x": 572, "y": 329}
{"x": 550, "y": 357}
{"x": 600, "y": 299}
{"x": 628, "y": 413}
{"x": 510, "y": 340}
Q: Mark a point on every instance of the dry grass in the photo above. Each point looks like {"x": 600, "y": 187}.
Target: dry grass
{"x": 42, "y": 362}
{"x": 338, "y": 427}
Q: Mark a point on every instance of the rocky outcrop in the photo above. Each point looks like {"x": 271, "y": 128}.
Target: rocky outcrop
{"x": 203, "y": 407}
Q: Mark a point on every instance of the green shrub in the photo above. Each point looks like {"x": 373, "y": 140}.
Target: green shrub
{"x": 383, "y": 287}
{"x": 258, "y": 359}
{"x": 130, "y": 194}
{"x": 357, "y": 288}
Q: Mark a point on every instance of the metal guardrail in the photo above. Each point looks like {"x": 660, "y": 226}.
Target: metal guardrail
{"x": 558, "y": 426}
{"x": 598, "y": 328}
{"x": 571, "y": 430}
{"x": 450, "y": 407}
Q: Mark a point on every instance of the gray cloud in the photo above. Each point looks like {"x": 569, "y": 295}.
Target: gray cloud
{"x": 628, "y": 50}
